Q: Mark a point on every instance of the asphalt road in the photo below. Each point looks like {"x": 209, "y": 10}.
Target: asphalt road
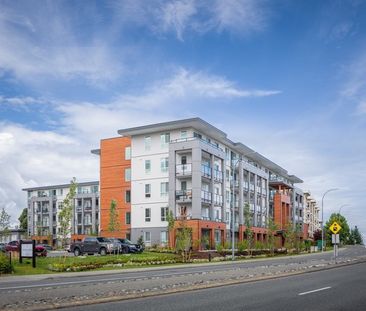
{"x": 342, "y": 288}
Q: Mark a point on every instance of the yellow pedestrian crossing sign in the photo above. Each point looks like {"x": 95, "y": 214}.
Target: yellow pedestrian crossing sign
{"x": 335, "y": 227}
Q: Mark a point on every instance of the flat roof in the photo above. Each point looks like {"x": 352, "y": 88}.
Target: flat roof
{"x": 89, "y": 183}
{"x": 215, "y": 133}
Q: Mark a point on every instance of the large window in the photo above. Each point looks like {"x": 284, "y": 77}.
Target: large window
{"x": 164, "y": 213}
{"x": 147, "y": 214}
{"x": 147, "y": 238}
{"x": 164, "y": 139}
{"x": 128, "y": 218}
{"x": 128, "y": 153}
{"x": 147, "y": 143}
{"x": 164, "y": 188}
{"x": 127, "y": 174}
{"x": 164, "y": 163}
{"x": 164, "y": 237}
{"x": 147, "y": 166}
{"x": 128, "y": 196}
{"x": 147, "y": 190}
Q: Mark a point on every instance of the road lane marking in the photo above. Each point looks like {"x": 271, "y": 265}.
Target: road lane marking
{"x": 314, "y": 291}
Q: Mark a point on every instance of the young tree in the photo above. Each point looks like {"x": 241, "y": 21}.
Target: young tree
{"x": 114, "y": 223}
{"x": 184, "y": 240}
{"x": 65, "y": 215}
{"x": 272, "y": 229}
{"x": 170, "y": 219}
{"x": 23, "y": 219}
{"x": 4, "y": 222}
{"x": 248, "y": 222}
{"x": 292, "y": 237}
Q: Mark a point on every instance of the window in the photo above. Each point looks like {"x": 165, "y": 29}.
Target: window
{"x": 147, "y": 190}
{"x": 164, "y": 163}
{"x": 128, "y": 218}
{"x": 197, "y": 135}
{"x": 147, "y": 238}
{"x": 147, "y": 214}
{"x": 128, "y": 153}
{"x": 128, "y": 196}
{"x": 164, "y": 139}
{"x": 183, "y": 134}
{"x": 164, "y": 188}
{"x": 184, "y": 160}
{"x": 147, "y": 143}
{"x": 127, "y": 174}
{"x": 163, "y": 237}
{"x": 147, "y": 166}
{"x": 183, "y": 185}
{"x": 164, "y": 213}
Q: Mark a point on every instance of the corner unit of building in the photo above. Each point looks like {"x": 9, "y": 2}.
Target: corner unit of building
{"x": 45, "y": 203}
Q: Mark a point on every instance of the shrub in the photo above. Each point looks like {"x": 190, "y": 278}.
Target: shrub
{"x": 242, "y": 246}
{"x": 5, "y": 266}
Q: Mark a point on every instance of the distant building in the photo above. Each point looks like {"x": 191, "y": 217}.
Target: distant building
{"x": 311, "y": 214}
{"x": 12, "y": 234}
{"x": 44, "y": 204}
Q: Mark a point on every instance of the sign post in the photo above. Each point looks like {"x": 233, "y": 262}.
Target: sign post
{"x": 27, "y": 249}
{"x": 335, "y": 228}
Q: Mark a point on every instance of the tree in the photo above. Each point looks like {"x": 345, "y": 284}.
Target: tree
{"x": 65, "y": 215}
{"x": 355, "y": 236}
{"x": 344, "y": 233}
{"x": 248, "y": 222}
{"x": 317, "y": 235}
{"x": 4, "y": 222}
{"x": 272, "y": 229}
{"x": 184, "y": 240}
{"x": 171, "y": 221}
{"x": 292, "y": 237}
{"x": 114, "y": 223}
{"x": 23, "y": 219}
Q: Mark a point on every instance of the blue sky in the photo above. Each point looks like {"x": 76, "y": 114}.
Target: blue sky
{"x": 287, "y": 78}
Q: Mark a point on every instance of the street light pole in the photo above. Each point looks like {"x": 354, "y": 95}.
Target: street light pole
{"x": 339, "y": 212}
{"x": 329, "y": 190}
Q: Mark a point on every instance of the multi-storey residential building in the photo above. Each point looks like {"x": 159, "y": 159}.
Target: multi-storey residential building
{"x": 311, "y": 214}
{"x": 115, "y": 185}
{"x": 191, "y": 168}
{"x": 44, "y": 204}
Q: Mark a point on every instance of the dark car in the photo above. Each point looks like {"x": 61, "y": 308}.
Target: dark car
{"x": 93, "y": 245}
{"x": 40, "y": 250}
{"x": 129, "y": 247}
{"x": 12, "y": 246}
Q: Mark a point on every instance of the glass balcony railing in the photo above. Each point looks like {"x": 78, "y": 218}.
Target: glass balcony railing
{"x": 183, "y": 169}
{"x": 218, "y": 176}
{"x": 183, "y": 195}
{"x": 206, "y": 171}
{"x": 218, "y": 199}
{"x": 206, "y": 196}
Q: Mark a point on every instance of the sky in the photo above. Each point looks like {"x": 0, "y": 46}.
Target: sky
{"x": 287, "y": 78}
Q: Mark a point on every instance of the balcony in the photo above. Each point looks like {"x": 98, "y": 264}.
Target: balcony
{"x": 206, "y": 197}
{"x": 206, "y": 171}
{"x": 183, "y": 170}
{"x": 183, "y": 196}
{"x": 278, "y": 180}
{"x": 218, "y": 199}
{"x": 218, "y": 176}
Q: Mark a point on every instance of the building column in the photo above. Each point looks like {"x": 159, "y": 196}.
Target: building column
{"x": 196, "y": 182}
{"x": 212, "y": 188}
{"x": 241, "y": 201}
{"x": 93, "y": 214}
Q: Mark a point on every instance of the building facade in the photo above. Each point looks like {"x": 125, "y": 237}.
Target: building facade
{"x": 311, "y": 214}
{"x": 45, "y": 203}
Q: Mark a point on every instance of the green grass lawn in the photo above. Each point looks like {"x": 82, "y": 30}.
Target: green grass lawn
{"x": 134, "y": 260}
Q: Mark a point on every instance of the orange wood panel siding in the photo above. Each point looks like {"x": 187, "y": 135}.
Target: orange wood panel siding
{"x": 113, "y": 185}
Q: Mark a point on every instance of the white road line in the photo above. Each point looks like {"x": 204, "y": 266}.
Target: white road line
{"x": 314, "y": 291}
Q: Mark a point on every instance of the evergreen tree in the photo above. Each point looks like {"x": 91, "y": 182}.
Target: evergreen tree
{"x": 23, "y": 219}
{"x": 114, "y": 223}
{"x": 355, "y": 236}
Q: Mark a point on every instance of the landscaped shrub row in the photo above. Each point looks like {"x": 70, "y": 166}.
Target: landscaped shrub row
{"x": 5, "y": 266}
{"x": 81, "y": 265}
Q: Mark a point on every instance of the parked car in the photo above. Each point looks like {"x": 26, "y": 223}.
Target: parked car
{"x": 12, "y": 246}
{"x": 46, "y": 246}
{"x": 2, "y": 247}
{"x": 129, "y": 247}
{"x": 92, "y": 245}
{"x": 40, "y": 250}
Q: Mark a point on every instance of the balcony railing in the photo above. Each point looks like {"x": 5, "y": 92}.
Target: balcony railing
{"x": 183, "y": 195}
{"x": 206, "y": 196}
{"x": 218, "y": 199}
{"x": 218, "y": 176}
{"x": 183, "y": 169}
{"x": 206, "y": 171}
{"x": 196, "y": 138}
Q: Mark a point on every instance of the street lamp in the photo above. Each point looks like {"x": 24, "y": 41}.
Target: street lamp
{"x": 329, "y": 190}
{"x": 233, "y": 208}
{"x": 340, "y": 208}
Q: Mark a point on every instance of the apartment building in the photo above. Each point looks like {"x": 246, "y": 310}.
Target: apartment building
{"x": 311, "y": 214}
{"x": 44, "y": 204}
{"x": 191, "y": 168}
{"x": 115, "y": 185}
